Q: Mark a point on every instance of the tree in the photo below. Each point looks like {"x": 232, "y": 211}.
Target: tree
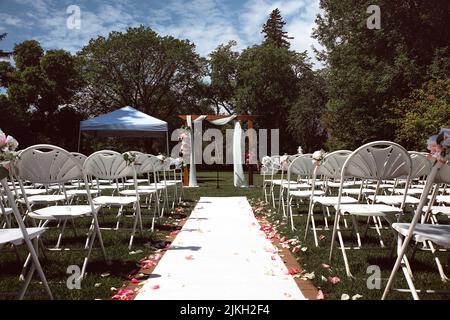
{"x": 161, "y": 76}
{"x": 38, "y": 87}
{"x": 273, "y": 30}
{"x": 427, "y": 110}
{"x": 268, "y": 82}
{"x": 304, "y": 119}
{"x": 223, "y": 73}
{"x": 371, "y": 69}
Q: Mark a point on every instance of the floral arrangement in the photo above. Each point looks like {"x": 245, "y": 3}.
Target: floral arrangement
{"x": 185, "y": 141}
{"x": 129, "y": 157}
{"x": 318, "y": 157}
{"x": 439, "y": 146}
{"x": 300, "y": 150}
{"x": 8, "y": 146}
{"x": 161, "y": 157}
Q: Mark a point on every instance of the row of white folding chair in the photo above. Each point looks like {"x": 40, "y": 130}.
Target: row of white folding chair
{"x": 48, "y": 164}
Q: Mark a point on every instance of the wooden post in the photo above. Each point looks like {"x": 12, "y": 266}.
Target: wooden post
{"x": 250, "y": 167}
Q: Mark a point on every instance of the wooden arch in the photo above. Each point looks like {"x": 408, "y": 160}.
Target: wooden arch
{"x": 248, "y": 118}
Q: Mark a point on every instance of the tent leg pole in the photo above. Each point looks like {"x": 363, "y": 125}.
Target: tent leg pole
{"x": 79, "y": 139}
{"x": 167, "y": 143}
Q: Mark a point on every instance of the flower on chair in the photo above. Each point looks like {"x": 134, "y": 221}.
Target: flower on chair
{"x": 300, "y": 150}
{"x": 439, "y": 145}
{"x": 318, "y": 157}
{"x": 8, "y": 146}
{"x": 129, "y": 157}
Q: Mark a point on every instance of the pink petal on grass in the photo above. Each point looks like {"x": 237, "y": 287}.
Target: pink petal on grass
{"x": 320, "y": 295}
{"x": 334, "y": 280}
{"x": 322, "y": 237}
{"x": 134, "y": 280}
{"x": 283, "y": 239}
{"x": 295, "y": 249}
{"x": 293, "y": 271}
{"x": 325, "y": 266}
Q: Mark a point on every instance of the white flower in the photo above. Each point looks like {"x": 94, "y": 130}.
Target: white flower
{"x": 318, "y": 155}
{"x": 300, "y": 150}
{"x": 161, "y": 157}
{"x": 12, "y": 143}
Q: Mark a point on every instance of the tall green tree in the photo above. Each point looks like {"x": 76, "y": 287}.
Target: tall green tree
{"x": 223, "y": 73}
{"x": 40, "y": 87}
{"x": 161, "y": 76}
{"x": 369, "y": 69}
{"x": 273, "y": 30}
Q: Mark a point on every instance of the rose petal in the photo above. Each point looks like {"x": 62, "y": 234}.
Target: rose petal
{"x": 320, "y": 295}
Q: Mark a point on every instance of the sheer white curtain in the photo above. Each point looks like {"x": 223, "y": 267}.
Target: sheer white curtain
{"x": 238, "y": 156}
{"x": 192, "y": 169}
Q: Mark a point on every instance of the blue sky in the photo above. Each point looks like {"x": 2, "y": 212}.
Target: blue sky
{"x": 207, "y": 23}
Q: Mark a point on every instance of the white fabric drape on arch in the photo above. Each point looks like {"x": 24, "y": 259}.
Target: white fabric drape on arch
{"x": 238, "y": 170}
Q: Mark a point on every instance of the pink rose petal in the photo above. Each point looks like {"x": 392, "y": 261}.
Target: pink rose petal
{"x": 320, "y": 295}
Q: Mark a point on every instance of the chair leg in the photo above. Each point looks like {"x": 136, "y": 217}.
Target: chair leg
{"x": 355, "y": 226}
{"x": 444, "y": 277}
{"x": 344, "y": 255}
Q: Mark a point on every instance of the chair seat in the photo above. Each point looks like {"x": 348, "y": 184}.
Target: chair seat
{"x": 439, "y": 234}
{"x": 152, "y": 187}
{"x": 140, "y": 191}
{"x": 444, "y": 199}
{"x": 32, "y": 192}
{"x": 296, "y": 185}
{"x": 108, "y": 187}
{"x": 137, "y": 180}
{"x": 81, "y": 192}
{"x": 331, "y": 201}
{"x": 173, "y": 181}
{"x": 369, "y": 209}
{"x": 394, "y": 200}
{"x": 62, "y": 212}
{"x": 58, "y": 187}
{"x": 44, "y": 199}
{"x": 114, "y": 201}
{"x": 15, "y": 235}
{"x": 411, "y": 191}
{"x": 333, "y": 184}
{"x": 438, "y": 210}
{"x": 305, "y": 193}
{"x": 381, "y": 186}
{"x": 8, "y": 211}
{"x": 357, "y": 191}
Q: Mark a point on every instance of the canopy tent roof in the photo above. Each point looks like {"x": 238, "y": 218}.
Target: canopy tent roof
{"x": 126, "y": 122}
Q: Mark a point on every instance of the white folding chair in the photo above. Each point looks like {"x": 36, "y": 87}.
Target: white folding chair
{"x": 379, "y": 160}
{"x": 300, "y": 166}
{"x": 48, "y": 164}
{"x": 111, "y": 165}
{"x": 16, "y": 236}
{"x": 330, "y": 168}
{"x": 434, "y": 235}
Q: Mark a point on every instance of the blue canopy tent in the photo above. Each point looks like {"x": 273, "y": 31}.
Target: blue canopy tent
{"x": 125, "y": 122}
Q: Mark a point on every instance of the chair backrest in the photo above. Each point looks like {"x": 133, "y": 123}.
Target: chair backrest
{"x": 301, "y": 165}
{"x": 379, "y": 160}
{"x": 332, "y": 164}
{"x": 421, "y": 165}
{"x": 107, "y": 164}
{"x": 443, "y": 175}
{"x": 47, "y": 164}
{"x": 146, "y": 163}
{"x": 80, "y": 157}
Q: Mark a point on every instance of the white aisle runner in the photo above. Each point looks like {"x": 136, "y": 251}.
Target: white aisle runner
{"x": 220, "y": 254}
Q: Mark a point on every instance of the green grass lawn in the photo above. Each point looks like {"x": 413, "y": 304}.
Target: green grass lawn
{"x": 96, "y": 286}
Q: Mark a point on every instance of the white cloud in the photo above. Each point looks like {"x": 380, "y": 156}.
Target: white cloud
{"x": 207, "y": 23}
